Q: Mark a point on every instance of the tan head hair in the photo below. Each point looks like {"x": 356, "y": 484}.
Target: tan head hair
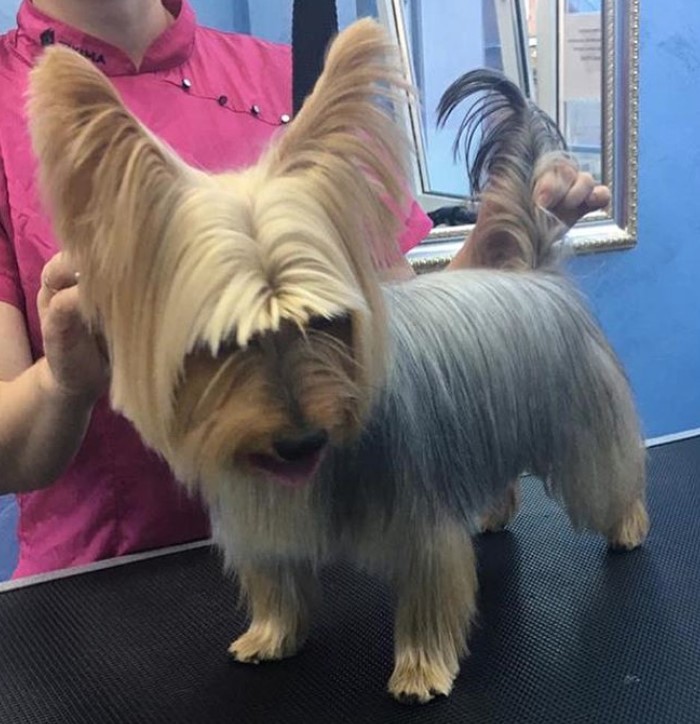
{"x": 173, "y": 259}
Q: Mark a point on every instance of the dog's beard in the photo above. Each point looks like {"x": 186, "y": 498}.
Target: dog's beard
{"x": 270, "y": 409}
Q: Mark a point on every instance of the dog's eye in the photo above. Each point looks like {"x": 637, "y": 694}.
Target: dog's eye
{"x": 339, "y": 328}
{"x": 320, "y": 324}
{"x": 228, "y": 347}
{"x": 329, "y": 324}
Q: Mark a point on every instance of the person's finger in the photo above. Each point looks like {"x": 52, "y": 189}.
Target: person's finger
{"x": 55, "y": 276}
{"x": 65, "y": 316}
{"x": 577, "y": 194}
{"x": 554, "y": 185}
{"x": 599, "y": 198}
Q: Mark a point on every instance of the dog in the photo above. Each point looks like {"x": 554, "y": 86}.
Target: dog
{"x": 320, "y": 413}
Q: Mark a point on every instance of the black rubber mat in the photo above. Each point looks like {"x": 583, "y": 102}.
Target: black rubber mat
{"x": 567, "y": 634}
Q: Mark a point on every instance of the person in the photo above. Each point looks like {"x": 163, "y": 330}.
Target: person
{"x": 87, "y": 488}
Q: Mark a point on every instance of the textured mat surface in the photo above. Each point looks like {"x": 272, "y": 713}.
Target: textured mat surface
{"x": 567, "y": 634}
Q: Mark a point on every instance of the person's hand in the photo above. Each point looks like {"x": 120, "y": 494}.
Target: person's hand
{"x": 75, "y": 356}
{"x": 568, "y": 193}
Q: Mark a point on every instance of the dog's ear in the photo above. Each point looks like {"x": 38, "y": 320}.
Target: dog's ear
{"x": 347, "y": 141}
{"x": 109, "y": 184}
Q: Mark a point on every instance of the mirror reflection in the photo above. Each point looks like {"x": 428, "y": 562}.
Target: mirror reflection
{"x": 551, "y": 48}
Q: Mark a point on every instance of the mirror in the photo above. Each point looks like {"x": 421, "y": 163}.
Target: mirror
{"x": 578, "y": 59}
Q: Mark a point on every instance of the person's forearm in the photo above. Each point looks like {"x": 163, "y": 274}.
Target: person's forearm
{"x": 464, "y": 259}
{"x": 398, "y": 272}
{"x": 41, "y": 429}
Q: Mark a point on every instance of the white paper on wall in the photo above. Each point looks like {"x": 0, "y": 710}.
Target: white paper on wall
{"x": 582, "y": 54}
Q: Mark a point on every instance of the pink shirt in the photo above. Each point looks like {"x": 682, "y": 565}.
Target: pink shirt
{"x": 217, "y": 98}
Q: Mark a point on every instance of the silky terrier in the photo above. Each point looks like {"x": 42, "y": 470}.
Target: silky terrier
{"x": 321, "y": 413}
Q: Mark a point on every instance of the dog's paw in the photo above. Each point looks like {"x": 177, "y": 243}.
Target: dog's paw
{"x": 503, "y": 512}
{"x": 266, "y": 641}
{"x": 631, "y": 531}
{"x": 418, "y": 680}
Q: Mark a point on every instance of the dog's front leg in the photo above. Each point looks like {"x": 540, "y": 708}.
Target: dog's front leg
{"x": 280, "y": 597}
{"x": 436, "y": 588}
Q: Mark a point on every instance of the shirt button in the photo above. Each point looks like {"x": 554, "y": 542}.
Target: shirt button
{"x": 255, "y": 109}
{"x": 186, "y": 83}
{"x": 48, "y": 37}
{"x": 285, "y": 118}
{"x": 222, "y": 100}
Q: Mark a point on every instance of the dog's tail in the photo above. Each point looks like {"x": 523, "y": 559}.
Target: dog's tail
{"x": 508, "y": 143}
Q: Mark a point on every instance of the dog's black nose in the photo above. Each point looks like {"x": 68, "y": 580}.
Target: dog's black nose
{"x": 292, "y": 449}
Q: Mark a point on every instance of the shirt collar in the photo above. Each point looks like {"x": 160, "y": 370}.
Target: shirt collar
{"x": 170, "y": 49}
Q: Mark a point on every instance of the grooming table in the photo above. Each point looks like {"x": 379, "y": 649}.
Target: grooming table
{"x": 567, "y": 633}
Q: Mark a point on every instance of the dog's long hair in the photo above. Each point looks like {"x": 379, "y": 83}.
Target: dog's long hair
{"x": 179, "y": 268}
{"x": 508, "y": 143}
{"x": 249, "y": 335}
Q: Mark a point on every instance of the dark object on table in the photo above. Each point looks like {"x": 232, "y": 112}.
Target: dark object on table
{"x": 453, "y": 216}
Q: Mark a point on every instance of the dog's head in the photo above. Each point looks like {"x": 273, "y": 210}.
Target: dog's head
{"x": 241, "y": 311}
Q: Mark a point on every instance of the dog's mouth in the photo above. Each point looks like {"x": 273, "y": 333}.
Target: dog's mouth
{"x": 289, "y": 473}
{"x": 294, "y": 459}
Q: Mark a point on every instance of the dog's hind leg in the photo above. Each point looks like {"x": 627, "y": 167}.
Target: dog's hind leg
{"x": 630, "y": 530}
{"x": 502, "y": 512}
{"x": 597, "y": 456}
{"x": 604, "y": 490}
{"x": 624, "y": 524}
{"x": 280, "y": 597}
{"x": 436, "y": 586}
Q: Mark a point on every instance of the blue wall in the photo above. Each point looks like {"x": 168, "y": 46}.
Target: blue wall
{"x": 649, "y": 298}
{"x": 8, "y": 11}
{"x": 8, "y": 536}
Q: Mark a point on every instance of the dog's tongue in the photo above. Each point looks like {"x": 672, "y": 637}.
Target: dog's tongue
{"x": 291, "y": 474}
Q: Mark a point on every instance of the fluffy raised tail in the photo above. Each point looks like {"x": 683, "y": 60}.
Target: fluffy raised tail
{"x": 508, "y": 143}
